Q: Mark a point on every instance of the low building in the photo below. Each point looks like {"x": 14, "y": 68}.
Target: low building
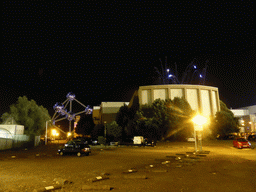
{"x": 247, "y": 119}
{"x": 9, "y": 128}
{"x": 96, "y": 115}
{"x": 11, "y": 134}
{"x": 203, "y": 99}
{"x": 13, "y": 129}
{"x": 106, "y": 112}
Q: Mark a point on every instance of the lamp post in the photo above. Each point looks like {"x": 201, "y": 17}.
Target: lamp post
{"x": 199, "y": 121}
{"x": 105, "y": 132}
{"x": 55, "y": 133}
{"x": 46, "y": 126}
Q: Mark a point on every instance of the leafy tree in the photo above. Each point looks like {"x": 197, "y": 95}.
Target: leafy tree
{"x": 165, "y": 119}
{"x": 146, "y": 127}
{"x": 98, "y": 130}
{"x": 160, "y": 116}
{"x": 114, "y": 131}
{"x": 123, "y": 116}
{"x": 85, "y": 125}
{"x": 180, "y": 114}
{"x": 224, "y": 122}
{"x": 29, "y": 114}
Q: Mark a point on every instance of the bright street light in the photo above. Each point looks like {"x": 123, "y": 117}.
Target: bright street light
{"x": 54, "y": 132}
{"x": 199, "y": 121}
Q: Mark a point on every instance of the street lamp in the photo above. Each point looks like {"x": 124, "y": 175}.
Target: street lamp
{"x": 46, "y": 126}
{"x": 105, "y": 132}
{"x": 54, "y": 133}
{"x": 199, "y": 121}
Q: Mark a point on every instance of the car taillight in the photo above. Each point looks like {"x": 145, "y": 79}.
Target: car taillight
{"x": 239, "y": 143}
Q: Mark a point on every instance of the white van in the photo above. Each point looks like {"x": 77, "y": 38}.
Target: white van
{"x": 138, "y": 140}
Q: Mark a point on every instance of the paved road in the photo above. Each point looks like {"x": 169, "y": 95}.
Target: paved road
{"x": 224, "y": 169}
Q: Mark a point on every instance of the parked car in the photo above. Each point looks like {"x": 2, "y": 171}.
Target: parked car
{"x": 191, "y": 139}
{"x": 252, "y": 137}
{"x": 150, "y": 142}
{"x": 95, "y": 142}
{"x": 83, "y": 140}
{"x": 75, "y": 147}
{"x": 241, "y": 143}
{"x": 226, "y": 137}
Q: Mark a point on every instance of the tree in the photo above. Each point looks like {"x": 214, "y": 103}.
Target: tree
{"x": 180, "y": 115}
{"x": 146, "y": 127}
{"x": 29, "y": 114}
{"x": 224, "y": 122}
{"x": 114, "y": 131}
{"x": 98, "y": 130}
{"x": 122, "y": 117}
{"x": 85, "y": 125}
{"x": 165, "y": 119}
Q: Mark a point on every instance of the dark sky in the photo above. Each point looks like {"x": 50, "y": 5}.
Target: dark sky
{"x": 103, "y": 50}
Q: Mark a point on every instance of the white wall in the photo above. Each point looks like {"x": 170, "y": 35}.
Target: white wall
{"x": 14, "y": 129}
{"x": 240, "y": 112}
{"x": 204, "y": 99}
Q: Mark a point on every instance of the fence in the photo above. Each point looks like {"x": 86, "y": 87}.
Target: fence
{"x": 17, "y": 141}
{"x": 5, "y": 143}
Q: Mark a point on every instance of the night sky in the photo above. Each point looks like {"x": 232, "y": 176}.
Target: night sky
{"x": 104, "y": 50}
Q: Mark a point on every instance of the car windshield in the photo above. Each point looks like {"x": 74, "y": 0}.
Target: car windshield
{"x": 242, "y": 140}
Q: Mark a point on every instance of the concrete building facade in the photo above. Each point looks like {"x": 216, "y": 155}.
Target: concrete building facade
{"x": 247, "y": 119}
{"x": 106, "y": 112}
{"x": 203, "y": 99}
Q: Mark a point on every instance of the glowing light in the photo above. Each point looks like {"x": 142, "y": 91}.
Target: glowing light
{"x": 88, "y": 110}
{"x": 54, "y": 132}
{"x": 194, "y": 66}
{"x": 68, "y": 134}
{"x": 63, "y": 112}
{"x": 58, "y": 107}
{"x": 199, "y": 120}
{"x": 71, "y": 96}
{"x": 70, "y": 116}
{"x": 168, "y": 70}
{"x": 201, "y": 76}
{"x": 170, "y": 75}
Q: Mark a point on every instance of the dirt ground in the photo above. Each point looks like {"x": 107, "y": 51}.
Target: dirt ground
{"x": 166, "y": 167}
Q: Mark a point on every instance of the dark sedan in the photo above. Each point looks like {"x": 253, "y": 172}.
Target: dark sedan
{"x": 74, "y": 147}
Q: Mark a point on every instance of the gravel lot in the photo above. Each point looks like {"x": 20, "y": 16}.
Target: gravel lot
{"x": 162, "y": 168}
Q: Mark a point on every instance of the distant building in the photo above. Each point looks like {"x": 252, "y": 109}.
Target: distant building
{"x": 247, "y": 118}
{"x": 203, "y": 99}
{"x": 11, "y": 134}
{"x": 9, "y": 128}
{"x": 106, "y": 112}
{"x": 96, "y": 115}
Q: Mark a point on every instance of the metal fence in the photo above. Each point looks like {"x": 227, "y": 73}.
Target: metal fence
{"x": 5, "y": 143}
{"x": 17, "y": 141}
